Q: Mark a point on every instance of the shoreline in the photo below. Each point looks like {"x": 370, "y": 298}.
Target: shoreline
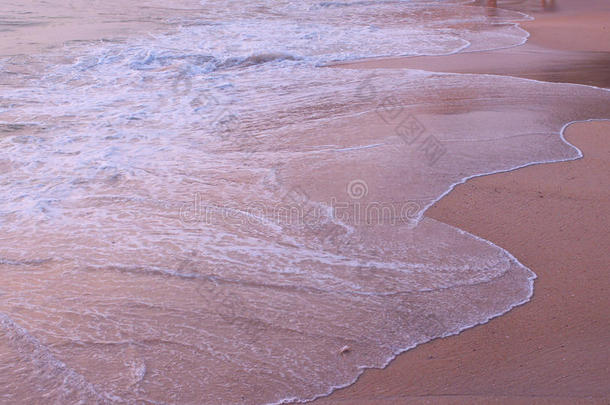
{"x": 372, "y": 383}
{"x": 452, "y": 207}
{"x": 543, "y": 57}
{"x": 415, "y": 362}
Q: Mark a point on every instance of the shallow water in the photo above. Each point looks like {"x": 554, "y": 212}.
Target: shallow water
{"x": 212, "y": 215}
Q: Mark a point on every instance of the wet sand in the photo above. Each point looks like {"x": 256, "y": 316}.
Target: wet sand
{"x": 562, "y": 48}
{"x": 554, "y": 219}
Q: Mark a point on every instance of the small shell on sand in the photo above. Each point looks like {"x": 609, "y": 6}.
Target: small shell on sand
{"x": 345, "y": 350}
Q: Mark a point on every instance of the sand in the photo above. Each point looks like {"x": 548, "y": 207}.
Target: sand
{"x": 560, "y": 49}
{"x": 554, "y": 218}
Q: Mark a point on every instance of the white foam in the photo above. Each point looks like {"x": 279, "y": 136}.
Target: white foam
{"x": 223, "y": 118}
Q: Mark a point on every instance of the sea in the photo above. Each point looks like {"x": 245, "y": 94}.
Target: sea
{"x": 219, "y": 211}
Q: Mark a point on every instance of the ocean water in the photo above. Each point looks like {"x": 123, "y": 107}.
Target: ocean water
{"x": 212, "y": 214}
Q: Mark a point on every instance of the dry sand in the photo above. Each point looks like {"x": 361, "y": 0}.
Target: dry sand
{"x": 554, "y": 218}
{"x": 563, "y": 48}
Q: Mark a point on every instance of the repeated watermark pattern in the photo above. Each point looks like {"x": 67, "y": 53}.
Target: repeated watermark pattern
{"x": 296, "y": 208}
{"x": 85, "y": 4}
{"x": 357, "y": 189}
{"x": 406, "y": 126}
{"x": 220, "y": 299}
{"x": 429, "y": 325}
{"x": 223, "y": 121}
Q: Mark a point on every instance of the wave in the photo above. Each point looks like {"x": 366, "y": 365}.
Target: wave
{"x": 238, "y": 212}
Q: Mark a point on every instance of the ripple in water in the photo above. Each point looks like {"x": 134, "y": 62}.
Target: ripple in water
{"x": 213, "y": 216}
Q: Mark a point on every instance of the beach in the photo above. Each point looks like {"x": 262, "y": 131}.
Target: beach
{"x": 551, "y": 350}
{"x": 553, "y": 218}
{"x": 293, "y": 201}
